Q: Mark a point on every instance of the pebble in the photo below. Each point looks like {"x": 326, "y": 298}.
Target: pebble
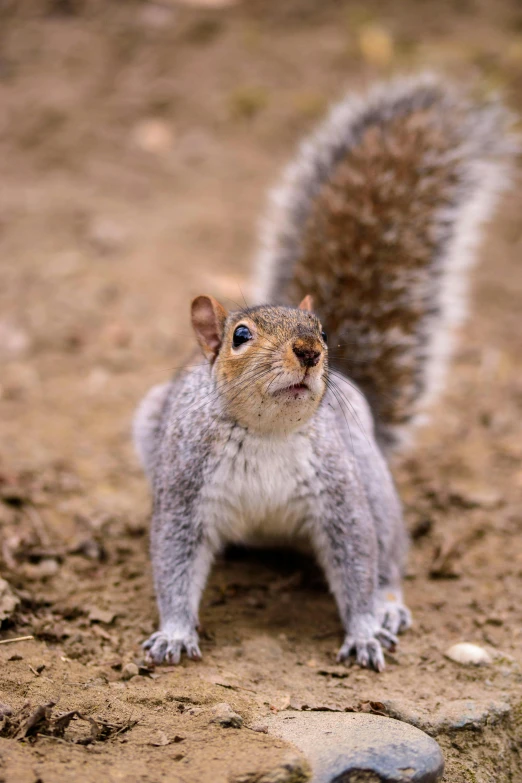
{"x": 48, "y": 566}
{"x": 8, "y": 600}
{"x": 259, "y": 726}
{"x": 129, "y": 671}
{"x": 468, "y": 654}
{"x": 192, "y": 711}
{"x": 371, "y": 747}
{"x": 97, "y": 615}
{"x": 154, "y": 136}
{"x": 224, "y": 715}
{"x": 13, "y": 341}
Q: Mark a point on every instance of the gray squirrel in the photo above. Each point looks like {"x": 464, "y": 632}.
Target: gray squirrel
{"x": 281, "y": 432}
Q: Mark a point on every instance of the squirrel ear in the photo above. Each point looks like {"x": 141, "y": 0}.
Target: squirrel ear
{"x": 307, "y": 303}
{"x": 208, "y": 320}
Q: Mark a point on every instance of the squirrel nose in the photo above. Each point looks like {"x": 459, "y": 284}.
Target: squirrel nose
{"x": 308, "y": 357}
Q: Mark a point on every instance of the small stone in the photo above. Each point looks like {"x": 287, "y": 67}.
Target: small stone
{"x": 260, "y": 727}
{"x": 47, "y": 567}
{"x": 159, "y": 739}
{"x": 154, "y": 136}
{"x": 192, "y": 711}
{"x": 129, "y": 671}
{"x": 355, "y": 747}
{"x": 97, "y": 615}
{"x": 224, "y": 715}
{"x": 14, "y": 341}
{"x": 97, "y": 380}
{"x": 468, "y": 654}
{"x": 8, "y": 600}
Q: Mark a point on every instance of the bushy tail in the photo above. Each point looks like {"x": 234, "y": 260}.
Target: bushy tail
{"x": 378, "y": 218}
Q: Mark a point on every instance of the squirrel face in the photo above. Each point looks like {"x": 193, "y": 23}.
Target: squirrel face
{"x": 269, "y": 363}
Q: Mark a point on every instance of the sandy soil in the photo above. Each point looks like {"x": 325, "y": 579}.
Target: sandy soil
{"x": 136, "y": 144}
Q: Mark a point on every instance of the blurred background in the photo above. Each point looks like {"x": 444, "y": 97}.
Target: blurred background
{"x": 137, "y": 142}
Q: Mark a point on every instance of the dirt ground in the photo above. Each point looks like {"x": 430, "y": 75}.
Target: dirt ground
{"x": 137, "y": 141}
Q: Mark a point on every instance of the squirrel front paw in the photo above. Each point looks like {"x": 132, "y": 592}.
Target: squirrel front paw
{"x": 166, "y": 647}
{"x": 365, "y": 640}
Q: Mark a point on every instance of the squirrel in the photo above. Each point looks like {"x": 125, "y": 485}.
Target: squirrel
{"x": 284, "y": 430}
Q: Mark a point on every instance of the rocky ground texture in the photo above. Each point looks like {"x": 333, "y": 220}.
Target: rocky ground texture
{"x": 137, "y": 141}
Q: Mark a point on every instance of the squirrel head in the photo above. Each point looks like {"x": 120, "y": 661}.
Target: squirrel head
{"x": 269, "y": 363}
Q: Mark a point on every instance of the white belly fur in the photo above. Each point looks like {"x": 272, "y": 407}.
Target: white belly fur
{"x": 256, "y": 494}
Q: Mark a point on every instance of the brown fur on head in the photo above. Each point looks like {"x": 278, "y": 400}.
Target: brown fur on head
{"x": 269, "y": 363}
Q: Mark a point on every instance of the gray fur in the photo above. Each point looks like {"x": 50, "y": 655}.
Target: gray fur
{"x": 343, "y": 502}
{"x": 323, "y": 479}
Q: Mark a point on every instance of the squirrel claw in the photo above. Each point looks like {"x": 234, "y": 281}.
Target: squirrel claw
{"x": 162, "y": 647}
{"x": 368, "y": 653}
{"x": 388, "y": 639}
{"x": 365, "y": 642}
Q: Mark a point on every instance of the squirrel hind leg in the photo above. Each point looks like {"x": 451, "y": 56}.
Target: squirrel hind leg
{"x": 146, "y": 423}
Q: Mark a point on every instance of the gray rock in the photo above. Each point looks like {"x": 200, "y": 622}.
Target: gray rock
{"x": 360, "y": 748}
{"x": 224, "y": 715}
{"x": 450, "y": 714}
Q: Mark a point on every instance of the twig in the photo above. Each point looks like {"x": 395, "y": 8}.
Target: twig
{"x": 16, "y": 639}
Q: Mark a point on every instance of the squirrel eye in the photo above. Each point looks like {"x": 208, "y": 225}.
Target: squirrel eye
{"x": 325, "y": 337}
{"x": 241, "y": 335}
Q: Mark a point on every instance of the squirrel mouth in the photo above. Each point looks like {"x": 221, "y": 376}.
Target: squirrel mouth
{"x": 294, "y": 390}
